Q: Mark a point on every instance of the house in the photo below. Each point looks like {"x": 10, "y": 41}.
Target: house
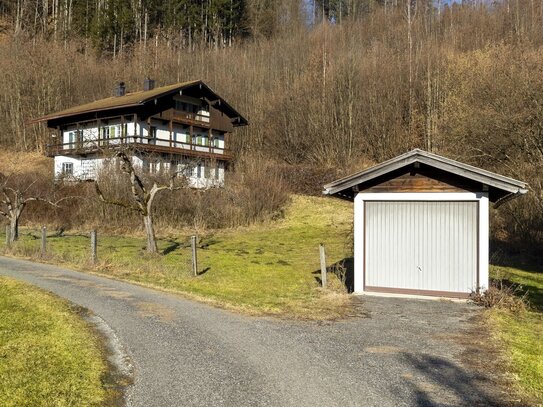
{"x": 185, "y": 127}
{"x": 421, "y": 224}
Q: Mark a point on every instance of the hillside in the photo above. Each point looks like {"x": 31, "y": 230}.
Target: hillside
{"x": 325, "y": 89}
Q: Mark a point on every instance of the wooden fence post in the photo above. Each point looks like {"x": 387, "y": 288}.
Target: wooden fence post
{"x": 193, "y": 240}
{"x": 8, "y": 236}
{"x": 43, "y": 240}
{"x": 323, "y": 265}
{"x": 94, "y": 245}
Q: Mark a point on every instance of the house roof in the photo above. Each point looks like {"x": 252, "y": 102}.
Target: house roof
{"x": 134, "y": 99}
{"x": 503, "y": 187}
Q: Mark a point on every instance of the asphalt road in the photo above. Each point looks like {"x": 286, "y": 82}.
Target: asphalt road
{"x": 183, "y": 353}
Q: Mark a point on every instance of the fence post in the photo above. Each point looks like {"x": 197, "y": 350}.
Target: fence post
{"x": 193, "y": 240}
{"x": 94, "y": 244}
{"x": 43, "y": 240}
{"x": 8, "y": 236}
{"x": 323, "y": 265}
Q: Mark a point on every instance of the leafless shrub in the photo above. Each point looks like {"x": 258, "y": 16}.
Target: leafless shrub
{"x": 503, "y": 295}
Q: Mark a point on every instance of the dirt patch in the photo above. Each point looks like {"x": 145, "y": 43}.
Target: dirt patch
{"x": 151, "y": 309}
{"x": 385, "y": 350}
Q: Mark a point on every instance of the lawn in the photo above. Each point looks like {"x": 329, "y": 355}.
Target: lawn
{"x": 48, "y": 354}
{"x": 270, "y": 268}
{"x": 521, "y": 335}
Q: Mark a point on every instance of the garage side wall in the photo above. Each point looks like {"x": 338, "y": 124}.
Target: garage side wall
{"x": 360, "y": 246}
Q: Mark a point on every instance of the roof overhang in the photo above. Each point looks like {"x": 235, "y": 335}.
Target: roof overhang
{"x": 506, "y": 187}
{"x": 139, "y": 99}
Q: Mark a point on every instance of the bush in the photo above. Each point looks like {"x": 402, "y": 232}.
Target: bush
{"x": 254, "y": 192}
{"x": 502, "y": 294}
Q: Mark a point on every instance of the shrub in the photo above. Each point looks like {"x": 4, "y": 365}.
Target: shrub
{"x": 502, "y": 294}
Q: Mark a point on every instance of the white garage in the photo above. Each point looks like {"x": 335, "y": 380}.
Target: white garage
{"x": 421, "y": 224}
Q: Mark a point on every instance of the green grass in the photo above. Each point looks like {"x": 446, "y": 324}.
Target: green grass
{"x": 522, "y": 334}
{"x": 48, "y": 355}
{"x": 267, "y": 268}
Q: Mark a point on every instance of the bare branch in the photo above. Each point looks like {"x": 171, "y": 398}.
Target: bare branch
{"x": 112, "y": 201}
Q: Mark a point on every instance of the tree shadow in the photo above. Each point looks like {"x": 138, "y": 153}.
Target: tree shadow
{"x": 203, "y": 271}
{"x": 446, "y": 383}
{"x": 344, "y": 271}
{"x": 173, "y": 246}
{"x": 506, "y": 255}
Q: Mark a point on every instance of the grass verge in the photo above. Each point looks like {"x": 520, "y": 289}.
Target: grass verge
{"x": 521, "y": 334}
{"x": 270, "y": 268}
{"x": 48, "y": 354}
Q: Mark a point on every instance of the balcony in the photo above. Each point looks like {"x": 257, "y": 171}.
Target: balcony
{"x": 137, "y": 143}
{"x": 188, "y": 118}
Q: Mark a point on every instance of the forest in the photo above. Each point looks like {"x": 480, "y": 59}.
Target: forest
{"x": 329, "y": 87}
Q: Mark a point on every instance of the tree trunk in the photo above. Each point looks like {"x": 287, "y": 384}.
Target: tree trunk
{"x": 150, "y": 232}
{"x": 14, "y": 228}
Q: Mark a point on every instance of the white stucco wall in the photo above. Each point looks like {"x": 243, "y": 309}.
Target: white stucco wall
{"x": 83, "y": 168}
{"x": 89, "y": 168}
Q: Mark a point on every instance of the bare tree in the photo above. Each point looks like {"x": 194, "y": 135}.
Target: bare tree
{"x": 16, "y": 191}
{"x": 142, "y": 196}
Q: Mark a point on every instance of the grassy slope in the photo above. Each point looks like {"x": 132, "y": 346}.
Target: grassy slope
{"x": 265, "y": 268}
{"x": 48, "y": 356}
{"x": 522, "y": 334}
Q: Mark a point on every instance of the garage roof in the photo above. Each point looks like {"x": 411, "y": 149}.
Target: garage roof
{"x": 500, "y": 188}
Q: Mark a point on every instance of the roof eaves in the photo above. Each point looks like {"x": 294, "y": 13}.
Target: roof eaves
{"x": 486, "y": 177}
{"x": 368, "y": 174}
{"x": 58, "y": 116}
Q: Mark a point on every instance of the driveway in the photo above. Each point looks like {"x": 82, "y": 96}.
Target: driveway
{"x": 183, "y": 353}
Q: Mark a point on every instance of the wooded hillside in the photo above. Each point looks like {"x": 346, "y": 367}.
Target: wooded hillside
{"x": 335, "y": 83}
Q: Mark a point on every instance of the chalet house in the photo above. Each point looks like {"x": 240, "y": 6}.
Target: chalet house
{"x": 185, "y": 127}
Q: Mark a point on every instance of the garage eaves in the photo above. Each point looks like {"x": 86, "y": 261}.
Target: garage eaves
{"x": 507, "y": 187}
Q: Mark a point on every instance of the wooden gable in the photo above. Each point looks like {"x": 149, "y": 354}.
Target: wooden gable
{"x": 421, "y": 179}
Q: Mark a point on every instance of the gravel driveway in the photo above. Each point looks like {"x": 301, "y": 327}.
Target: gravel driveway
{"x": 183, "y": 353}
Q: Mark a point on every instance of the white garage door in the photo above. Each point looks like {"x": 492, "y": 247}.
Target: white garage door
{"x": 421, "y": 246}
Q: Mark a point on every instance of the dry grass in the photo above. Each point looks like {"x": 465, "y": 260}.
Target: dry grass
{"x": 25, "y": 162}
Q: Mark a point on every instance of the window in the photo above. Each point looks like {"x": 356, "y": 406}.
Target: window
{"x": 217, "y": 140}
{"x": 199, "y": 170}
{"x": 109, "y": 132}
{"x": 71, "y": 139}
{"x": 181, "y": 106}
{"x": 67, "y": 169}
{"x": 154, "y": 167}
{"x": 217, "y": 172}
{"x": 207, "y": 172}
{"x": 152, "y": 135}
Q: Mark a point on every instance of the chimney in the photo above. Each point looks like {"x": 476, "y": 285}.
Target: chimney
{"x": 148, "y": 84}
{"x": 120, "y": 89}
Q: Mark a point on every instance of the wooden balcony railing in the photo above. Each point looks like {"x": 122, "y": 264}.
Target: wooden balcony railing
{"x": 187, "y": 118}
{"x": 146, "y": 144}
